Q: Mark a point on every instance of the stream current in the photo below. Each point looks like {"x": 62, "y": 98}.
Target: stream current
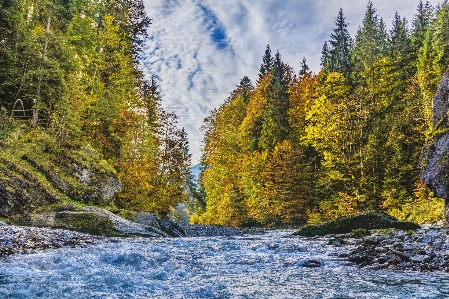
{"x": 253, "y": 266}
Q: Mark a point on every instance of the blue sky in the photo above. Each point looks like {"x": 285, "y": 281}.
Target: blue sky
{"x": 200, "y": 49}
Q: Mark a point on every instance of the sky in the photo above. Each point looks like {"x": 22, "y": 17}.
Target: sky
{"x": 199, "y": 50}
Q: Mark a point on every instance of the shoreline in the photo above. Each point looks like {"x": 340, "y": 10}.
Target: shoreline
{"x": 425, "y": 250}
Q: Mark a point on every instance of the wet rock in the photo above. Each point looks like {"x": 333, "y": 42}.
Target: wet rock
{"x": 311, "y": 264}
{"x": 417, "y": 258}
{"x": 371, "y": 240}
{"x": 382, "y": 260}
{"x": 15, "y": 239}
{"x": 334, "y": 242}
{"x": 380, "y": 249}
{"x": 402, "y": 250}
{"x": 397, "y": 246}
{"x": 343, "y": 255}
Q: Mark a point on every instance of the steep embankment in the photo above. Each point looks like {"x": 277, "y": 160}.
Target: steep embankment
{"x": 36, "y": 172}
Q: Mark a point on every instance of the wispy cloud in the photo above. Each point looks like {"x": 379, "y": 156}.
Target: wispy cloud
{"x": 200, "y": 49}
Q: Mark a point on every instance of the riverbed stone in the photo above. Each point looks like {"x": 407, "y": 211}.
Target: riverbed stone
{"x": 311, "y": 263}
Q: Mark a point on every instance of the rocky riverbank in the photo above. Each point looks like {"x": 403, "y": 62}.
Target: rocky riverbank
{"x": 21, "y": 239}
{"x": 29, "y": 239}
{"x": 426, "y": 249}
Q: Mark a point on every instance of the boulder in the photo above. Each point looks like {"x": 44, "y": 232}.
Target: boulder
{"x": 344, "y": 225}
{"x": 434, "y": 162}
{"x": 89, "y": 219}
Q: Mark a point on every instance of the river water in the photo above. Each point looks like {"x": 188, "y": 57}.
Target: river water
{"x": 255, "y": 266}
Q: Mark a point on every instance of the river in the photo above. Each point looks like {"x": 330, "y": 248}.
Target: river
{"x": 254, "y": 266}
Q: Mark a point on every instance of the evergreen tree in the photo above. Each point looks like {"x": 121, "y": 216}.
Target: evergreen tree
{"x": 401, "y": 57}
{"x": 245, "y": 88}
{"x": 340, "y": 46}
{"x": 267, "y": 63}
{"x": 370, "y": 43}
{"x": 304, "y": 67}
{"x": 420, "y": 24}
{"x": 275, "y": 126}
{"x": 324, "y": 55}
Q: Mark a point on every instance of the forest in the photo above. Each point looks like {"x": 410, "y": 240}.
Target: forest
{"x": 299, "y": 147}
{"x": 291, "y": 148}
{"x": 70, "y": 78}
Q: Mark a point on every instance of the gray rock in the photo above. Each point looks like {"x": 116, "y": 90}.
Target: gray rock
{"x": 371, "y": 240}
{"x": 311, "y": 264}
{"x": 434, "y": 162}
{"x": 417, "y": 258}
{"x": 334, "y": 242}
{"x": 87, "y": 219}
{"x": 47, "y": 178}
{"x": 398, "y": 246}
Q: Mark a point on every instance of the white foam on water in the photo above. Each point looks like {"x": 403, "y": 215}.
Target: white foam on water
{"x": 257, "y": 266}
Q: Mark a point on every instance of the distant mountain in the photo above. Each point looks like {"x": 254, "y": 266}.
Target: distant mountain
{"x": 195, "y": 171}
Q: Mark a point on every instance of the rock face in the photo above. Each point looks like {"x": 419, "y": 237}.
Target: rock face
{"x": 434, "y": 160}
{"x": 43, "y": 177}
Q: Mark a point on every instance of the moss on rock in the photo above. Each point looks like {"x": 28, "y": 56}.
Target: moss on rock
{"x": 344, "y": 225}
{"x": 86, "y": 222}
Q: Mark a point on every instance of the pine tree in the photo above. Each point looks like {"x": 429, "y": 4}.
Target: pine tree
{"x": 286, "y": 190}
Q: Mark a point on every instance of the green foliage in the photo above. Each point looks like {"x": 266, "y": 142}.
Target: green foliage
{"x": 318, "y": 147}
{"x": 75, "y": 67}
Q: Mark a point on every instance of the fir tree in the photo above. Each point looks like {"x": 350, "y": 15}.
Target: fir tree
{"x": 420, "y": 24}
{"x": 275, "y": 126}
{"x": 324, "y": 55}
{"x": 304, "y": 67}
{"x": 340, "y": 46}
{"x": 267, "y": 63}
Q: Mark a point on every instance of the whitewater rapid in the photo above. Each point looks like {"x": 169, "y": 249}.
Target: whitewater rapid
{"x": 268, "y": 265}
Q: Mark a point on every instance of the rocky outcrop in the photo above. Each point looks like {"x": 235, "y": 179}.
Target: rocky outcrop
{"x": 44, "y": 175}
{"x": 344, "y": 225}
{"x": 87, "y": 220}
{"x": 21, "y": 191}
{"x": 434, "y": 160}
